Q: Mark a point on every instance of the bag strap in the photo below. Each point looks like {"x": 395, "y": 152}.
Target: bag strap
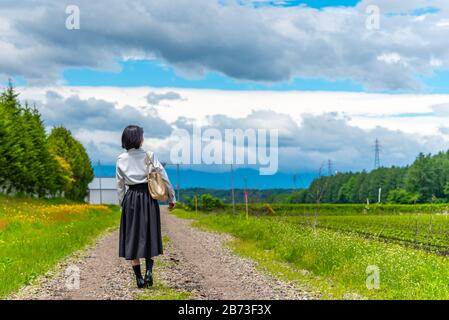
{"x": 150, "y": 161}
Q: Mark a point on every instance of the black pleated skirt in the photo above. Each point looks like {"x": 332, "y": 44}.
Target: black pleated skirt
{"x": 140, "y": 225}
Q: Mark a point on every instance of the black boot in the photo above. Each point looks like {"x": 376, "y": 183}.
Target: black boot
{"x": 139, "y": 280}
{"x": 149, "y": 273}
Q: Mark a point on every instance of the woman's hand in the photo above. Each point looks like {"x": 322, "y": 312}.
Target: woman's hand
{"x": 171, "y": 206}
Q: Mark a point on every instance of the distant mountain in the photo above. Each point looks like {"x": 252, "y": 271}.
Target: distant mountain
{"x": 104, "y": 170}
{"x": 222, "y": 180}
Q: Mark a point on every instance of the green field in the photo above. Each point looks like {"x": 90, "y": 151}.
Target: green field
{"x": 36, "y": 234}
{"x": 343, "y": 209}
{"x": 425, "y": 231}
{"x": 338, "y": 248}
{"x": 419, "y": 226}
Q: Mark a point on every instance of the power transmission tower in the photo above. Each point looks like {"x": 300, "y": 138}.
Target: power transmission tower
{"x": 246, "y": 196}
{"x": 99, "y": 180}
{"x": 377, "y": 154}
{"x": 178, "y": 182}
{"x": 294, "y": 181}
{"x": 329, "y": 167}
{"x": 232, "y": 189}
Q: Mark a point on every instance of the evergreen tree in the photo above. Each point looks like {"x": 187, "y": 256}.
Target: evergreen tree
{"x": 46, "y": 165}
{"x": 33, "y": 164}
{"x": 421, "y": 178}
{"x": 62, "y": 144}
{"x": 12, "y": 167}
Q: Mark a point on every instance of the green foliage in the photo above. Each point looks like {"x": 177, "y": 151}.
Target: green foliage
{"x": 425, "y": 181}
{"x": 298, "y": 197}
{"x": 255, "y": 195}
{"x": 205, "y": 202}
{"x": 78, "y": 167}
{"x": 208, "y": 203}
{"x": 403, "y": 196}
{"x": 31, "y": 163}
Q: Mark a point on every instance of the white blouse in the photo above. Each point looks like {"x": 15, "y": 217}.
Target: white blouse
{"x": 132, "y": 168}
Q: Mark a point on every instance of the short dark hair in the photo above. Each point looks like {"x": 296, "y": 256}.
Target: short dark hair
{"x": 132, "y": 137}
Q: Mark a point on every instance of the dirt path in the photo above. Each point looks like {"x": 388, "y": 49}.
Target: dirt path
{"x": 217, "y": 273}
{"x": 102, "y": 275}
{"x": 199, "y": 263}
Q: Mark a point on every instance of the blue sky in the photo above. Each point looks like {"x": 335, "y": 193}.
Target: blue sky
{"x": 155, "y": 74}
{"x": 309, "y": 3}
{"x": 312, "y": 69}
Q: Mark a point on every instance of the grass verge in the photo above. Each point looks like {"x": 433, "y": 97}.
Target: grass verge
{"x": 337, "y": 265}
{"x": 36, "y": 234}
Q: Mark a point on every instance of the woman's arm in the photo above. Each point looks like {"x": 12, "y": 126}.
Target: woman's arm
{"x": 158, "y": 165}
{"x": 120, "y": 184}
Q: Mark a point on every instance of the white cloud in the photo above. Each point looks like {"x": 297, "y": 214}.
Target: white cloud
{"x": 390, "y": 58}
{"x": 97, "y": 114}
{"x": 313, "y": 126}
{"x": 436, "y": 62}
{"x": 443, "y": 23}
{"x": 266, "y": 44}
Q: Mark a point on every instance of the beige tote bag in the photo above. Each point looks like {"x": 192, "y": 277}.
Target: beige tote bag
{"x": 156, "y": 184}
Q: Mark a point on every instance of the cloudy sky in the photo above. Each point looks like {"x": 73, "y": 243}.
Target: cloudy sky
{"x": 331, "y": 76}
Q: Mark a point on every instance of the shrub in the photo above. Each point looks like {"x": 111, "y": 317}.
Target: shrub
{"x": 209, "y": 202}
{"x": 206, "y": 202}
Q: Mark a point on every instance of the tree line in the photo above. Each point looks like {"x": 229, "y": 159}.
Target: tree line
{"x": 34, "y": 163}
{"x": 225, "y": 195}
{"x": 424, "y": 181}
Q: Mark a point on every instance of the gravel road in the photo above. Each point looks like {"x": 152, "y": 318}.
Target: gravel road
{"x": 200, "y": 263}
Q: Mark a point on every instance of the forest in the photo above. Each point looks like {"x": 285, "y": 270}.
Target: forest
{"x": 426, "y": 180}
{"x": 34, "y": 163}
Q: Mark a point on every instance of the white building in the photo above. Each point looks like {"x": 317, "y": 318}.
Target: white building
{"x": 103, "y": 190}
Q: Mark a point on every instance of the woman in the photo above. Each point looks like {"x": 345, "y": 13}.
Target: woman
{"x": 140, "y": 226}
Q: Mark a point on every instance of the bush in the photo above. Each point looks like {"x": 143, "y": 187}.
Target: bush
{"x": 206, "y": 202}
{"x": 209, "y": 202}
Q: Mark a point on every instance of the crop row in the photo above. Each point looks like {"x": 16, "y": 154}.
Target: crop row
{"x": 342, "y": 209}
{"x": 428, "y": 231}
